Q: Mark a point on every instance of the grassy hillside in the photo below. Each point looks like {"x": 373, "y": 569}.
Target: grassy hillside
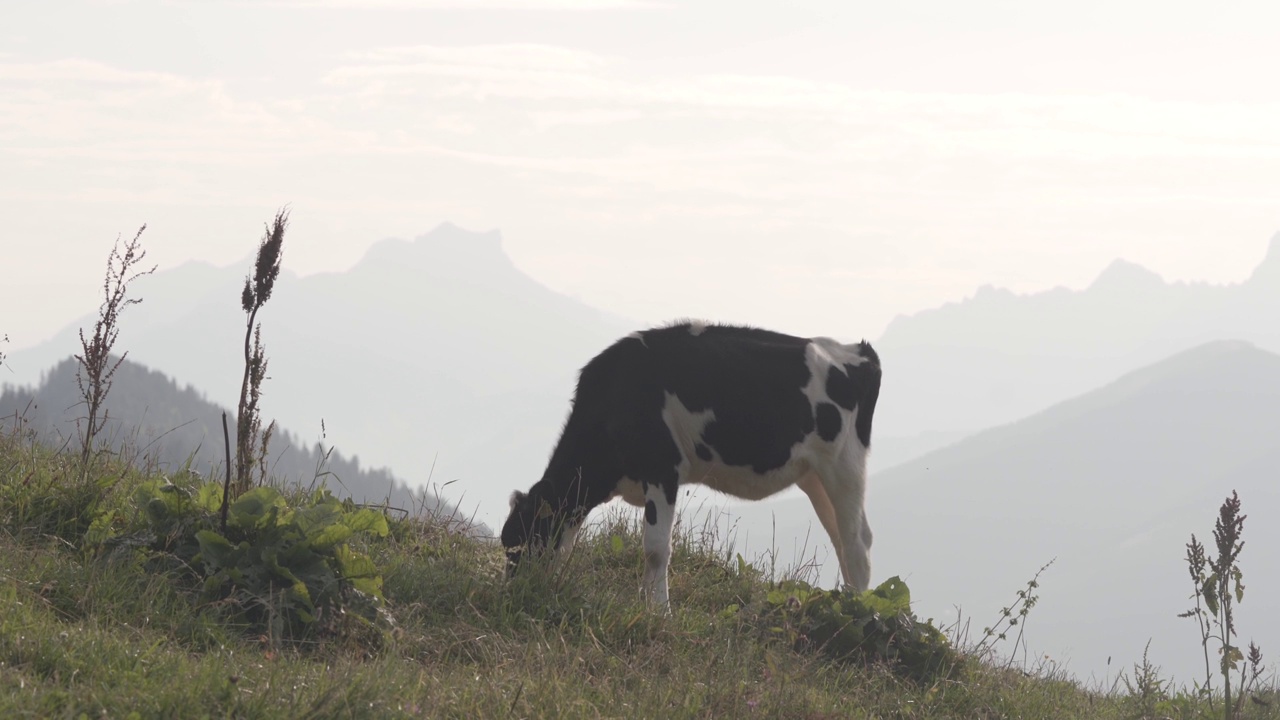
{"x": 105, "y": 612}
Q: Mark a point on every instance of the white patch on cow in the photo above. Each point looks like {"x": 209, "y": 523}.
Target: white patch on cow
{"x": 697, "y": 327}
{"x": 818, "y": 356}
{"x": 629, "y": 490}
{"x": 826, "y": 352}
{"x": 746, "y": 483}
{"x": 637, "y": 335}
{"x": 742, "y": 482}
{"x": 835, "y": 352}
{"x": 685, "y": 425}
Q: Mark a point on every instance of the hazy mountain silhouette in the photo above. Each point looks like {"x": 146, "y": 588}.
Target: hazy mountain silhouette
{"x": 436, "y": 357}
{"x": 1112, "y": 484}
{"x": 440, "y": 359}
{"x": 154, "y": 421}
{"x": 999, "y": 356}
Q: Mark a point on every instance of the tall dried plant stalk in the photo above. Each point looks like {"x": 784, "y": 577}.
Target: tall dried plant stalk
{"x": 96, "y": 367}
{"x": 257, "y": 290}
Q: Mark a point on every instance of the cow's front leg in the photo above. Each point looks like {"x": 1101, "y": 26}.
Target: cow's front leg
{"x": 659, "y": 518}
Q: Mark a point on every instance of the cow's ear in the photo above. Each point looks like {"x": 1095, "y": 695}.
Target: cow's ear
{"x": 517, "y": 497}
{"x": 544, "y": 510}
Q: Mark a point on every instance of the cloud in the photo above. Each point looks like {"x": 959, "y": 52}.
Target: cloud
{"x": 78, "y": 131}
{"x": 564, "y": 110}
{"x": 782, "y": 149}
{"x": 548, "y": 85}
{"x": 604, "y": 136}
{"x": 507, "y": 56}
{"x": 83, "y": 108}
{"x": 590, "y": 124}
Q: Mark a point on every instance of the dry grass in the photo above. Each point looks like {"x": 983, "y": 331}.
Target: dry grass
{"x": 94, "y": 635}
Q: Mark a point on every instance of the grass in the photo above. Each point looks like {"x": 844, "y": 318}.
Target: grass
{"x": 92, "y": 633}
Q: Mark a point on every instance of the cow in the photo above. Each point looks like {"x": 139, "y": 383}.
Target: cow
{"x": 746, "y": 411}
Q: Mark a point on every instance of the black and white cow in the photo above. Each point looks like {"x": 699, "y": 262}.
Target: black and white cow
{"x": 748, "y": 412}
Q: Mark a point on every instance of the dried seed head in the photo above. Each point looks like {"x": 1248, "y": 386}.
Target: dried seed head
{"x": 257, "y": 290}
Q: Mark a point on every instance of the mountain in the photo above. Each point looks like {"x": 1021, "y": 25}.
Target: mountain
{"x": 1112, "y": 484}
{"x": 436, "y": 357}
{"x": 998, "y": 356}
{"x": 149, "y": 417}
{"x": 439, "y": 358}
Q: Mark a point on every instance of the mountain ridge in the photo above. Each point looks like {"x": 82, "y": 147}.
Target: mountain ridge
{"x": 998, "y": 356}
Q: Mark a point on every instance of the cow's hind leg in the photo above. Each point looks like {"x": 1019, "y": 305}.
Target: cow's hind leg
{"x": 659, "y": 518}
{"x": 811, "y": 484}
{"x": 846, "y": 490}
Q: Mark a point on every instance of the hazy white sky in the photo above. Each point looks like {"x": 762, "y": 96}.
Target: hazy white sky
{"x": 818, "y": 167}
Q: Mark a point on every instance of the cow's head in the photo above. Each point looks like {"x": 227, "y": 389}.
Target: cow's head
{"x": 536, "y": 524}
{"x": 528, "y": 527}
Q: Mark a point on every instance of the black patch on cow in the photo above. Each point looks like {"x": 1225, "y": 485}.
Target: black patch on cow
{"x": 829, "y": 422}
{"x": 842, "y": 387}
{"x": 704, "y": 452}
{"x": 869, "y": 374}
{"x": 650, "y": 512}
{"x": 752, "y": 379}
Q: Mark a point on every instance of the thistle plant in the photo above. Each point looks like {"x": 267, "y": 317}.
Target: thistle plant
{"x": 1218, "y": 585}
{"x": 1013, "y": 616}
{"x": 251, "y": 442}
{"x": 96, "y": 367}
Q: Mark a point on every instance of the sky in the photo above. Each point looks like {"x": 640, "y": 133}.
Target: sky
{"x": 816, "y": 167}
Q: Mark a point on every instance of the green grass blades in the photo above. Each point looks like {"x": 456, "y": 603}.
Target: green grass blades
{"x": 152, "y": 612}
